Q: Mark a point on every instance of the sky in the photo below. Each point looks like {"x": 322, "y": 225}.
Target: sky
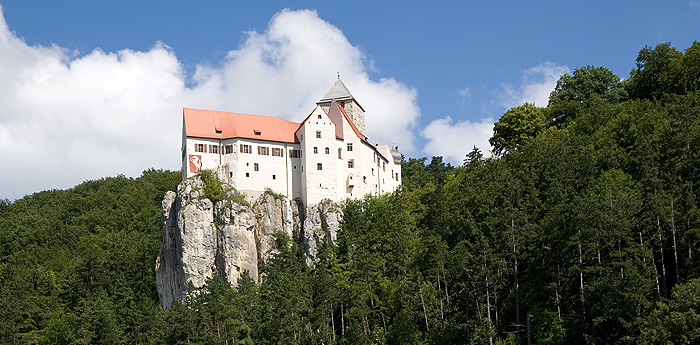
{"x": 90, "y": 89}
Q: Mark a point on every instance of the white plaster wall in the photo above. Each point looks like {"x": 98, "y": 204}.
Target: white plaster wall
{"x": 320, "y": 184}
{"x": 209, "y": 160}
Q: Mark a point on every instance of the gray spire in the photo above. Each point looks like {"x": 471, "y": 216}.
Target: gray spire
{"x": 338, "y": 92}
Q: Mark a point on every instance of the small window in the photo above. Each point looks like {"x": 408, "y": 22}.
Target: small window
{"x": 257, "y": 132}
{"x": 319, "y": 117}
{"x": 349, "y": 146}
{"x": 372, "y": 171}
{"x": 256, "y": 167}
{"x": 315, "y": 149}
{"x": 340, "y": 153}
{"x": 199, "y": 147}
{"x": 247, "y": 174}
{"x": 218, "y": 131}
{"x": 318, "y": 133}
{"x": 351, "y": 163}
{"x": 230, "y": 174}
{"x": 383, "y": 166}
{"x": 364, "y": 179}
{"x": 328, "y": 151}
{"x": 274, "y": 177}
{"x": 319, "y": 166}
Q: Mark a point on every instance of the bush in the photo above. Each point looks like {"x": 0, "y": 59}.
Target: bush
{"x": 213, "y": 188}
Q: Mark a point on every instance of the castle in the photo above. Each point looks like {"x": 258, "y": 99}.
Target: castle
{"x": 326, "y": 156}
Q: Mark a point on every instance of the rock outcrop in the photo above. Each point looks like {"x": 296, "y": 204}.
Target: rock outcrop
{"x": 202, "y": 239}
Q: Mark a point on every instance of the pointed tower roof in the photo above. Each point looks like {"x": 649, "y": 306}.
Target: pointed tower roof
{"x": 338, "y": 92}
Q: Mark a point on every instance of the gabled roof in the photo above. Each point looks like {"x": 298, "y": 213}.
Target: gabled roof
{"x": 337, "y": 92}
{"x": 225, "y": 125}
{"x": 339, "y": 134}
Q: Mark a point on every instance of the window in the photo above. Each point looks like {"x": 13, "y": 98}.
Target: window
{"x": 318, "y": 133}
{"x": 256, "y": 167}
{"x": 218, "y": 131}
{"x": 328, "y": 151}
{"x": 315, "y": 149}
{"x": 274, "y": 177}
{"x": 349, "y": 146}
{"x": 351, "y": 163}
{"x": 340, "y": 153}
{"x": 247, "y": 174}
{"x": 319, "y": 117}
{"x": 364, "y": 179}
{"x": 383, "y": 166}
{"x": 245, "y": 148}
{"x": 397, "y": 176}
{"x": 230, "y": 174}
{"x": 228, "y": 149}
{"x": 199, "y": 147}
{"x": 372, "y": 171}
{"x": 294, "y": 153}
{"x": 263, "y": 150}
{"x": 277, "y": 152}
{"x": 214, "y": 148}
{"x": 257, "y": 132}
{"x": 319, "y": 166}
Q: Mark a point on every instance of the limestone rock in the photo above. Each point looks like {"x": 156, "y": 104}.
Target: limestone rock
{"x": 202, "y": 240}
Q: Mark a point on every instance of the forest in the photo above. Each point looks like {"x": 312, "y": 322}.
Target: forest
{"x": 583, "y": 227}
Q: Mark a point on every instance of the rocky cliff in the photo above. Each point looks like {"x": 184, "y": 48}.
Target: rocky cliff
{"x": 202, "y": 239}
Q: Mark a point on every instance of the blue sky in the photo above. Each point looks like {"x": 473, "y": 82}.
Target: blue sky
{"x": 100, "y": 83}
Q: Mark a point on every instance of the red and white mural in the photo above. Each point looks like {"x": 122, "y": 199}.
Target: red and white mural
{"x": 195, "y": 163}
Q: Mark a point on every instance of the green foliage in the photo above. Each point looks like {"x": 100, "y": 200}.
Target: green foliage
{"x": 78, "y": 263}
{"x": 274, "y": 194}
{"x": 516, "y": 126}
{"x": 213, "y": 188}
{"x": 585, "y": 85}
{"x": 580, "y": 233}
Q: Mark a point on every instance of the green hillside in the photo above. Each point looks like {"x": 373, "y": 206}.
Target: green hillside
{"x": 583, "y": 229}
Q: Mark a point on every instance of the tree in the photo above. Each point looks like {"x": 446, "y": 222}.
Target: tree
{"x": 573, "y": 90}
{"x": 515, "y": 127}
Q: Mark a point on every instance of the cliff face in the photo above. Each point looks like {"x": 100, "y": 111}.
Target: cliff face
{"x": 202, "y": 239}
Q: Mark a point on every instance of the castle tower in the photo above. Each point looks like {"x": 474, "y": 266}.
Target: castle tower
{"x": 340, "y": 94}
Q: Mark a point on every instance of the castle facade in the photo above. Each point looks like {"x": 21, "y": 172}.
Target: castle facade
{"x": 326, "y": 156}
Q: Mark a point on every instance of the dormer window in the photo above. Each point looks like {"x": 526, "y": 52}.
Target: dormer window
{"x": 218, "y": 131}
{"x": 257, "y": 132}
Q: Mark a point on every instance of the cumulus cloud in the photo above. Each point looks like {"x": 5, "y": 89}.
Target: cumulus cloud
{"x": 537, "y": 83}
{"x": 454, "y": 140}
{"x": 65, "y": 118}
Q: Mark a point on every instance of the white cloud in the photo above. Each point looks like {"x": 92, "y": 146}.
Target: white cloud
{"x": 454, "y": 140}
{"x": 66, "y": 118}
{"x": 538, "y": 82}
{"x": 464, "y": 95}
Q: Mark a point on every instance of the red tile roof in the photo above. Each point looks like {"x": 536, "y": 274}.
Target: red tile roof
{"x": 224, "y": 125}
